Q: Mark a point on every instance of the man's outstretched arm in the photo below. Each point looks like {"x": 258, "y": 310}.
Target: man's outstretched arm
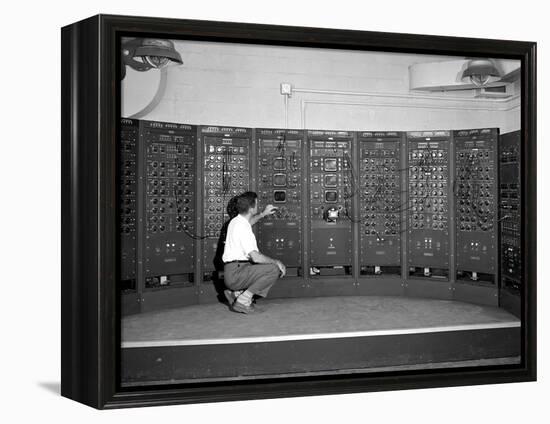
{"x": 269, "y": 210}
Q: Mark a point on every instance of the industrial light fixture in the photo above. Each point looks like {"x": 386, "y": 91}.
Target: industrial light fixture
{"x": 143, "y": 54}
{"x": 480, "y": 72}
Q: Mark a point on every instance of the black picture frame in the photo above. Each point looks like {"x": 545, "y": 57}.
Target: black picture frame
{"x": 90, "y": 121}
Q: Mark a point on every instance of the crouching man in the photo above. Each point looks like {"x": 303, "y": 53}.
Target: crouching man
{"x": 247, "y": 272}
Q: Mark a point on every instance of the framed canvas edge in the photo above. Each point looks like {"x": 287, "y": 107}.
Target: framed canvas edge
{"x": 90, "y": 323}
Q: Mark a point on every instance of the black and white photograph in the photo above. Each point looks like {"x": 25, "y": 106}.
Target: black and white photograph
{"x": 294, "y": 211}
{"x": 287, "y": 212}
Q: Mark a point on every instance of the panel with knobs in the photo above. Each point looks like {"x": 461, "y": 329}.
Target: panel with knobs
{"x": 402, "y": 192}
{"x": 475, "y": 194}
{"x": 510, "y": 212}
{"x": 226, "y": 173}
{"x": 331, "y": 192}
{"x": 381, "y": 205}
{"x": 169, "y": 202}
{"x": 280, "y": 184}
{"x": 129, "y": 136}
{"x": 427, "y": 210}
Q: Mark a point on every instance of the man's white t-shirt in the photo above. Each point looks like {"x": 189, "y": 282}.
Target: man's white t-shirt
{"x": 240, "y": 240}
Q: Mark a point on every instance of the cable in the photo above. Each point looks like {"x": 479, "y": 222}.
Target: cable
{"x": 183, "y": 226}
{"x": 426, "y": 166}
{"x": 470, "y": 168}
{"x": 226, "y": 177}
{"x": 226, "y": 171}
{"x": 349, "y": 175}
{"x": 374, "y": 200}
{"x": 281, "y": 146}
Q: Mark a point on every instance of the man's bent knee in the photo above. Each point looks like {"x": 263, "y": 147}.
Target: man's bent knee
{"x": 274, "y": 269}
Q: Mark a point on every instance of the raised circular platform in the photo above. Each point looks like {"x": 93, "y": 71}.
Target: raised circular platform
{"x": 308, "y": 318}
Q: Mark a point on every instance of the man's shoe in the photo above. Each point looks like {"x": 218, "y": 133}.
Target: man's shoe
{"x": 243, "y": 309}
{"x": 230, "y": 296}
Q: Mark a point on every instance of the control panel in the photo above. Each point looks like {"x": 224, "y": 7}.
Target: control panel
{"x": 475, "y": 199}
{"x": 226, "y": 173}
{"x": 129, "y": 136}
{"x": 381, "y": 204}
{"x": 510, "y": 211}
{"x": 331, "y": 191}
{"x": 170, "y": 178}
{"x": 280, "y": 183}
{"x": 351, "y": 204}
{"x": 428, "y": 211}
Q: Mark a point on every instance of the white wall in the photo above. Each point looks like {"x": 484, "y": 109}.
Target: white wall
{"x": 512, "y": 117}
{"x": 237, "y": 84}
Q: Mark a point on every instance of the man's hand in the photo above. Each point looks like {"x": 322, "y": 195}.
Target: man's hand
{"x": 269, "y": 210}
{"x": 282, "y": 268}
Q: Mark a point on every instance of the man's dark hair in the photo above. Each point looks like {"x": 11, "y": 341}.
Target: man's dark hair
{"x": 245, "y": 201}
{"x": 232, "y": 207}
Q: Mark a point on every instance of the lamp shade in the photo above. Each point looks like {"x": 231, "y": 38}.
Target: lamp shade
{"x": 157, "y": 52}
{"x": 480, "y": 72}
{"x": 142, "y": 54}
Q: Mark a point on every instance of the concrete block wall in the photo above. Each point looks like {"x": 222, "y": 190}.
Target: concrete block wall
{"x": 236, "y": 84}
